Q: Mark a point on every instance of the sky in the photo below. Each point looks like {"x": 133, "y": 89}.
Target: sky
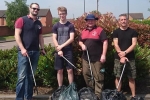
{"x": 76, "y": 7}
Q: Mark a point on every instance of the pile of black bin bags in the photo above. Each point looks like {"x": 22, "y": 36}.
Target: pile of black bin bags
{"x": 70, "y": 93}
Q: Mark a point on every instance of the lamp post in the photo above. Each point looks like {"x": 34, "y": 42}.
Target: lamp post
{"x": 128, "y": 8}
{"x": 97, "y": 5}
{"x": 84, "y": 6}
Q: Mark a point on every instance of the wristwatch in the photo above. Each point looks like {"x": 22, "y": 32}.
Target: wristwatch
{"x": 125, "y": 52}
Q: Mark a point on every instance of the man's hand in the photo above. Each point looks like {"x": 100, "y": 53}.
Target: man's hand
{"x": 43, "y": 52}
{"x": 121, "y": 54}
{"x": 83, "y": 47}
{"x": 24, "y": 52}
{"x": 103, "y": 58}
{"x": 60, "y": 53}
{"x": 123, "y": 60}
{"x": 59, "y": 47}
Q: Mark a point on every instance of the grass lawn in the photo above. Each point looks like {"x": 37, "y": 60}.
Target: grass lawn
{"x": 6, "y": 38}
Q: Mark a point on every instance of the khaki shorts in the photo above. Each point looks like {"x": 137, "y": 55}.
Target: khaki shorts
{"x": 130, "y": 69}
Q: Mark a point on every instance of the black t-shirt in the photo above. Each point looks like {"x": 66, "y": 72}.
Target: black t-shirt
{"x": 93, "y": 39}
{"x": 125, "y": 40}
{"x": 63, "y": 32}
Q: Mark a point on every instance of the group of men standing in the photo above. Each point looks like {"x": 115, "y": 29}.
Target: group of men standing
{"x": 93, "y": 39}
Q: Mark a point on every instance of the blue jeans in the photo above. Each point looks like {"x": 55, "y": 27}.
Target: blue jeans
{"x": 24, "y": 88}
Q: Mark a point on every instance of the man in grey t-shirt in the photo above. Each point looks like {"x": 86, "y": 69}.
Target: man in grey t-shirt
{"x": 63, "y": 36}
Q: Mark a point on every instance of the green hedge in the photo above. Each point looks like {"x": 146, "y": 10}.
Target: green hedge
{"x": 46, "y": 75}
{"x": 146, "y": 22}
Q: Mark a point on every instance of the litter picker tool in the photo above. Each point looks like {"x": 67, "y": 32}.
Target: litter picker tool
{"x": 35, "y": 87}
{"x": 121, "y": 75}
{"x": 92, "y": 78}
{"x": 71, "y": 64}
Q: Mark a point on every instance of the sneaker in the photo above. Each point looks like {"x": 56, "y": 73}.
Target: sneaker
{"x": 136, "y": 98}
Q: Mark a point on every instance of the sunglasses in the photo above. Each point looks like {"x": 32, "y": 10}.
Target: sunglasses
{"x": 35, "y": 9}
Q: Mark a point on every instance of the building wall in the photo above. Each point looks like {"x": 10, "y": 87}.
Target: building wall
{"x": 49, "y": 19}
{"x": 1, "y": 21}
{"x": 43, "y": 20}
{"x": 5, "y": 31}
{"x": 130, "y": 18}
{"x": 46, "y": 30}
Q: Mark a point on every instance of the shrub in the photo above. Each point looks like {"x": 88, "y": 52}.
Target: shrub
{"x": 8, "y": 63}
{"x": 146, "y": 22}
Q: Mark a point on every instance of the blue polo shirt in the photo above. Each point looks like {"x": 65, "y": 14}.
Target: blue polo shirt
{"x": 30, "y": 32}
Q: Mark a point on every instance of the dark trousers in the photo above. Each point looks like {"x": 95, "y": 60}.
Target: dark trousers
{"x": 97, "y": 83}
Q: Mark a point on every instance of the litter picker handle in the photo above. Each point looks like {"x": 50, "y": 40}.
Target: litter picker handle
{"x": 89, "y": 63}
{"x": 121, "y": 75}
{"x": 31, "y": 70}
{"x": 70, "y": 63}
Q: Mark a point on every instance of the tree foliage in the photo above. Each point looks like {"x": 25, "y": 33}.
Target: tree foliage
{"x": 15, "y": 9}
{"x": 55, "y": 20}
{"x": 96, "y": 12}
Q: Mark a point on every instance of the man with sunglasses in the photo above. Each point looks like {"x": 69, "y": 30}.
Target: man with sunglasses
{"x": 28, "y": 35}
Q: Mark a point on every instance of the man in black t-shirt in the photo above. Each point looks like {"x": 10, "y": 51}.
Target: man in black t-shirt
{"x": 63, "y": 36}
{"x": 125, "y": 40}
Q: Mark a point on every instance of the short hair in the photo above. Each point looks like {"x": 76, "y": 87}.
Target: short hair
{"x": 125, "y": 15}
{"x": 62, "y": 9}
{"x": 34, "y": 3}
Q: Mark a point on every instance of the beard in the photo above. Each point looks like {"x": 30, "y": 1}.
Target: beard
{"x": 34, "y": 14}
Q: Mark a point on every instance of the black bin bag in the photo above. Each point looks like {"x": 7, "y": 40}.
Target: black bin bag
{"x": 56, "y": 93}
{"x": 70, "y": 93}
{"x": 112, "y": 95}
{"x": 87, "y": 93}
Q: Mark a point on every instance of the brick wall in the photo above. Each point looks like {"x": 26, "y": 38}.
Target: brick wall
{"x": 5, "y": 31}
{"x": 43, "y": 20}
{"x": 46, "y": 30}
{"x": 2, "y": 22}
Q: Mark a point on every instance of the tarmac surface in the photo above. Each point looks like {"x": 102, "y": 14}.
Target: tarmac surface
{"x": 11, "y": 43}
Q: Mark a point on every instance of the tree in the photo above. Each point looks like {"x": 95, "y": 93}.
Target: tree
{"x": 96, "y": 12}
{"x": 55, "y": 20}
{"x": 15, "y": 9}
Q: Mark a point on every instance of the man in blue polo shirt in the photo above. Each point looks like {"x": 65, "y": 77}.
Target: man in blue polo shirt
{"x": 28, "y": 36}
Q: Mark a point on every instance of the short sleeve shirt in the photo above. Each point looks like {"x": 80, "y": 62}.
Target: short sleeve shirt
{"x": 63, "y": 32}
{"x": 125, "y": 40}
{"x": 93, "y": 39}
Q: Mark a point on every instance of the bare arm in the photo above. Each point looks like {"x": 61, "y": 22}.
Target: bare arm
{"x": 18, "y": 39}
{"x": 19, "y": 42}
{"x": 69, "y": 41}
{"x": 131, "y": 48}
{"x": 105, "y": 46}
{"x": 82, "y": 45}
{"x": 41, "y": 41}
{"x": 117, "y": 48}
{"x": 55, "y": 40}
{"x": 103, "y": 55}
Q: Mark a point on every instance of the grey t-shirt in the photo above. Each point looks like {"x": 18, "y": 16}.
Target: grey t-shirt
{"x": 63, "y": 32}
